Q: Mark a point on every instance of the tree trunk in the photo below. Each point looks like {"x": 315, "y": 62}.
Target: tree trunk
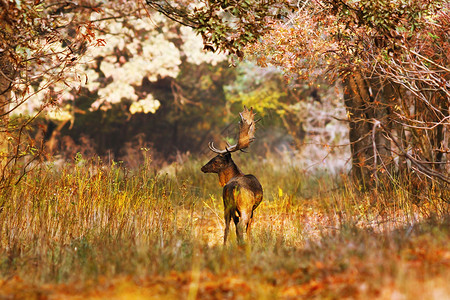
{"x": 5, "y": 98}
{"x": 367, "y": 102}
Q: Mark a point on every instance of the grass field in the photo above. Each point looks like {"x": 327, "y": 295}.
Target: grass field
{"x": 88, "y": 231}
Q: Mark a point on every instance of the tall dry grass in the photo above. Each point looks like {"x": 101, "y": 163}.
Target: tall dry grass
{"x": 313, "y": 235}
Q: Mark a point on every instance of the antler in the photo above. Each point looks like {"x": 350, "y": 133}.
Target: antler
{"x": 246, "y": 133}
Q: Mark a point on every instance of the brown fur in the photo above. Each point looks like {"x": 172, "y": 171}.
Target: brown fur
{"x": 241, "y": 194}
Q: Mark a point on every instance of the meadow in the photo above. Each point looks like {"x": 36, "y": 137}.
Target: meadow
{"x": 90, "y": 230}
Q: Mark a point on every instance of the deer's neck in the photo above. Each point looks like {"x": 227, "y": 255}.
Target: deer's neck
{"x": 228, "y": 173}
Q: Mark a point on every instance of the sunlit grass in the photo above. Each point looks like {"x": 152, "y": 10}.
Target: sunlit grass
{"x": 91, "y": 225}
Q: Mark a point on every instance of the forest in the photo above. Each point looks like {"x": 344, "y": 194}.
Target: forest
{"x": 113, "y": 114}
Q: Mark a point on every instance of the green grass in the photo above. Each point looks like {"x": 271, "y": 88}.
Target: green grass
{"x": 92, "y": 226}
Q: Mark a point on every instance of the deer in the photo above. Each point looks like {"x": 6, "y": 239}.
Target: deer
{"x": 242, "y": 193}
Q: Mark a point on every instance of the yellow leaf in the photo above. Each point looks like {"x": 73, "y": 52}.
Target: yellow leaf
{"x": 280, "y": 192}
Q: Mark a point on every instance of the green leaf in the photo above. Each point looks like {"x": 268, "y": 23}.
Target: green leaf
{"x": 433, "y": 35}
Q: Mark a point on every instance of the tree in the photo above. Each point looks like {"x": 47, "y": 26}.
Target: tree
{"x": 53, "y": 51}
{"x": 383, "y": 52}
{"x": 34, "y": 49}
{"x": 42, "y": 46}
{"x": 391, "y": 57}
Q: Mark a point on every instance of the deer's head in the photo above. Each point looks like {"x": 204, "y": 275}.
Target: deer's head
{"x": 218, "y": 163}
{"x": 222, "y": 162}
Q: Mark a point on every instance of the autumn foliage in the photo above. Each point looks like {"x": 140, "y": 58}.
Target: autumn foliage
{"x": 106, "y": 106}
{"x": 391, "y": 57}
{"x": 93, "y": 231}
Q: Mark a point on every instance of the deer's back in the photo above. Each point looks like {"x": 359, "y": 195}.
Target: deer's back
{"x": 245, "y": 192}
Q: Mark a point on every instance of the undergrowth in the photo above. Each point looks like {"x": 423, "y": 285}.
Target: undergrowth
{"x": 85, "y": 223}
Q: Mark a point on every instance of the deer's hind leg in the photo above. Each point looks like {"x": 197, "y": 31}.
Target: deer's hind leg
{"x": 249, "y": 228}
{"x": 227, "y": 216}
{"x": 243, "y": 223}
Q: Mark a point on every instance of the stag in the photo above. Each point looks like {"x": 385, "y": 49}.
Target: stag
{"x": 241, "y": 193}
